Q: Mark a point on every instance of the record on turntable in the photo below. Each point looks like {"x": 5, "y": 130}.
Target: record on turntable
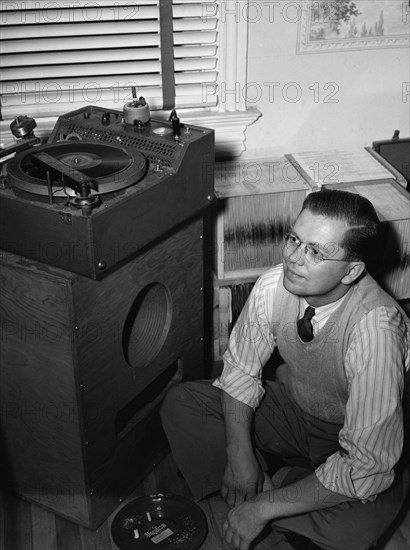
{"x": 76, "y": 168}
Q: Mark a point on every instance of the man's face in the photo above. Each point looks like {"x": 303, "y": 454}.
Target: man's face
{"x": 319, "y": 283}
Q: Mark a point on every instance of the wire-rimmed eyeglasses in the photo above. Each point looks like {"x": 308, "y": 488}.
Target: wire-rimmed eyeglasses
{"x": 311, "y": 252}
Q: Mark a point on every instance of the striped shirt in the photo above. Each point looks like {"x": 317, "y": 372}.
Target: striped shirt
{"x": 375, "y": 361}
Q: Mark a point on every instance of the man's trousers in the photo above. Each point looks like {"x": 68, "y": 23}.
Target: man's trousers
{"x": 193, "y": 420}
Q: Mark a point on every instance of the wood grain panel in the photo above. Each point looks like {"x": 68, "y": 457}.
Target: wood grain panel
{"x": 43, "y": 529}
{"x": 17, "y": 525}
{"x": 108, "y": 382}
{"x": 68, "y": 535}
{"x": 40, "y": 422}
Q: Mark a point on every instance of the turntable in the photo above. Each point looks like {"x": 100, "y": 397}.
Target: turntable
{"x": 76, "y": 171}
{"x": 102, "y": 189}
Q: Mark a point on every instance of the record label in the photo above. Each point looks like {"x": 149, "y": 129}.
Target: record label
{"x": 162, "y": 522}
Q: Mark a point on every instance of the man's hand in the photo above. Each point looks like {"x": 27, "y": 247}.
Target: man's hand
{"x": 244, "y": 523}
{"x": 243, "y": 478}
{"x": 247, "y": 520}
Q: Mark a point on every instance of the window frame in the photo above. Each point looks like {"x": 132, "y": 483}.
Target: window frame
{"x": 230, "y": 117}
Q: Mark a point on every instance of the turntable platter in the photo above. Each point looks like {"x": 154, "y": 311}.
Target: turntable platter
{"x": 109, "y": 167}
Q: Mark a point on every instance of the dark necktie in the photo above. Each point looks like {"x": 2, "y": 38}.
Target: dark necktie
{"x": 305, "y": 329}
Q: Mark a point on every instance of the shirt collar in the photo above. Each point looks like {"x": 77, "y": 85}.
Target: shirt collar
{"x": 321, "y": 310}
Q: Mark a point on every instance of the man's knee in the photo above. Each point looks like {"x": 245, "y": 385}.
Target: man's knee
{"x": 173, "y": 403}
{"x": 186, "y": 400}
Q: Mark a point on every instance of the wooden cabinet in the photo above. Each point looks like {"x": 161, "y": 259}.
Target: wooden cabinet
{"x": 84, "y": 366}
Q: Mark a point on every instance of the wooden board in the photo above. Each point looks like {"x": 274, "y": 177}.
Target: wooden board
{"x": 337, "y": 166}
{"x": 257, "y": 177}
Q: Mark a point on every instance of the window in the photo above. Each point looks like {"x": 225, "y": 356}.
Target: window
{"x": 58, "y": 56}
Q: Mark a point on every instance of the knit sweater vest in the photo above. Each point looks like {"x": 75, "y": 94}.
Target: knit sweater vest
{"x": 314, "y": 374}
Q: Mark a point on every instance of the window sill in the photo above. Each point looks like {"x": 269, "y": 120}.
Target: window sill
{"x": 229, "y": 126}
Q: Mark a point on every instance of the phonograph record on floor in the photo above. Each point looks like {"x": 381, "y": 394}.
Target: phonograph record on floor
{"x": 101, "y": 302}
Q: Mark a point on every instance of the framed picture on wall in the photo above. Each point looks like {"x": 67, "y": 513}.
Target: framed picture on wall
{"x": 338, "y": 25}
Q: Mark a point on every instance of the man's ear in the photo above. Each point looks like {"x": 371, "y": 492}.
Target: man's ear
{"x": 354, "y": 270}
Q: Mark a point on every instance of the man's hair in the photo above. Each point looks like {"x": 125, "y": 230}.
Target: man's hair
{"x": 362, "y": 240}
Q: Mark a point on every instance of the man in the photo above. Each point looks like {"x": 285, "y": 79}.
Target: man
{"x": 334, "y": 411}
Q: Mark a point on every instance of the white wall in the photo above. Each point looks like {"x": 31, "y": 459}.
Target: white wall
{"x": 347, "y": 98}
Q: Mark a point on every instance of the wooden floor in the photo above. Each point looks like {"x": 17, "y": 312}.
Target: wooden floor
{"x": 27, "y": 527}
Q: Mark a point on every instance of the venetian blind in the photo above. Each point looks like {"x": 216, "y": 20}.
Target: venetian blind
{"x": 58, "y": 56}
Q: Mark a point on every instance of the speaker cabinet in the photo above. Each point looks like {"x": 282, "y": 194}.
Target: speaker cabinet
{"x": 84, "y": 367}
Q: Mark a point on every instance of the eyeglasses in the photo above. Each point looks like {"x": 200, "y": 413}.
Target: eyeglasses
{"x": 312, "y": 254}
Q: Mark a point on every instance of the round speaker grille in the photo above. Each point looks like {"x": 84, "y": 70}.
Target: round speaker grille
{"x": 147, "y": 325}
